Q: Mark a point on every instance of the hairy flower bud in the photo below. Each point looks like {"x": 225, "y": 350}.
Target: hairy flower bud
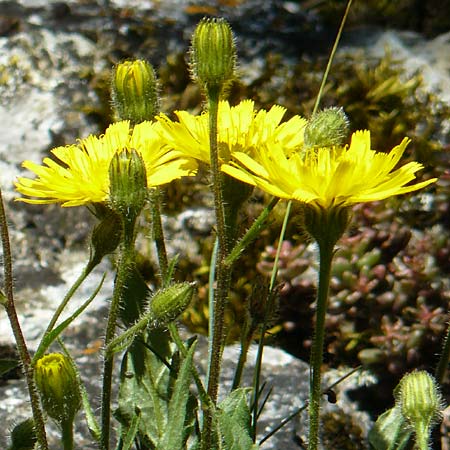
{"x": 57, "y": 382}
{"x": 213, "y": 54}
{"x": 418, "y": 398}
{"x": 327, "y": 128}
{"x": 23, "y": 436}
{"x": 106, "y": 236}
{"x": 134, "y": 91}
{"x": 128, "y": 184}
{"x": 167, "y": 304}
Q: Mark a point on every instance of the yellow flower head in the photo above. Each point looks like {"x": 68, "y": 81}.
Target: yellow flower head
{"x": 240, "y": 129}
{"x": 81, "y": 173}
{"x": 57, "y": 382}
{"x": 329, "y": 176}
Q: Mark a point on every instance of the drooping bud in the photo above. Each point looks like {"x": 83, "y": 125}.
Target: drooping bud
{"x": 134, "y": 91}
{"x": 57, "y": 382}
{"x": 327, "y": 128}
{"x": 23, "y": 436}
{"x": 235, "y": 193}
{"x": 105, "y": 237}
{"x": 213, "y": 54}
{"x": 128, "y": 184}
{"x": 418, "y": 398}
{"x": 166, "y": 305}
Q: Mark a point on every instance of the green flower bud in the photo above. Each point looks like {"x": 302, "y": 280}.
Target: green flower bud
{"x": 235, "y": 193}
{"x": 57, "y": 382}
{"x": 327, "y": 128}
{"x": 23, "y": 436}
{"x": 134, "y": 91}
{"x": 105, "y": 237}
{"x": 213, "y": 54}
{"x": 418, "y": 398}
{"x": 167, "y": 304}
{"x": 128, "y": 184}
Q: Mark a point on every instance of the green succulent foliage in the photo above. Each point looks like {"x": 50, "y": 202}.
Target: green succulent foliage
{"x": 156, "y": 409}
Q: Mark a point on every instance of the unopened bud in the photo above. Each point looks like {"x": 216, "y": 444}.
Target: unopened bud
{"x": 327, "y": 128}
{"x": 213, "y": 54}
{"x": 57, "y": 382}
{"x": 418, "y": 398}
{"x": 134, "y": 91}
{"x": 105, "y": 237}
{"x": 23, "y": 436}
{"x": 167, "y": 304}
{"x": 128, "y": 184}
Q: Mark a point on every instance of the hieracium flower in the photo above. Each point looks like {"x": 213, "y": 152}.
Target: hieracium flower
{"x": 328, "y": 177}
{"x": 80, "y": 173}
{"x": 240, "y": 129}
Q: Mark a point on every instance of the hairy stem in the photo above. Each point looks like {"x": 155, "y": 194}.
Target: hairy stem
{"x": 125, "y": 263}
{"x": 67, "y": 434}
{"x": 444, "y": 359}
{"x": 222, "y": 271}
{"x": 158, "y": 234}
{"x": 17, "y": 331}
{"x": 326, "y": 256}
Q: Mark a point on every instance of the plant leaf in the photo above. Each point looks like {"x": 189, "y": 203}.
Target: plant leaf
{"x": 390, "y": 432}
{"x": 177, "y": 420}
{"x": 157, "y": 391}
{"x": 234, "y": 420}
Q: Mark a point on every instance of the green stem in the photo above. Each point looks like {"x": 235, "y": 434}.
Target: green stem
{"x": 182, "y": 348}
{"x": 67, "y": 434}
{"x": 444, "y": 359}
{"x": 251, "y": 234}
{"x": 126, "y": 261}
{"x": 220, "y": 291}
{"x": 24, "y": 355}
{"x": 158, "y": 234}
{"x": 326, "y": 256}
{"x": 222, "y": 271}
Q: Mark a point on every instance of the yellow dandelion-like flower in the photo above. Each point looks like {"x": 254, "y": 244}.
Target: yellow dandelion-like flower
{"x": 80, "y": 175}
{"x": 240, "y": 129}
{"x": 328, "y": 177}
